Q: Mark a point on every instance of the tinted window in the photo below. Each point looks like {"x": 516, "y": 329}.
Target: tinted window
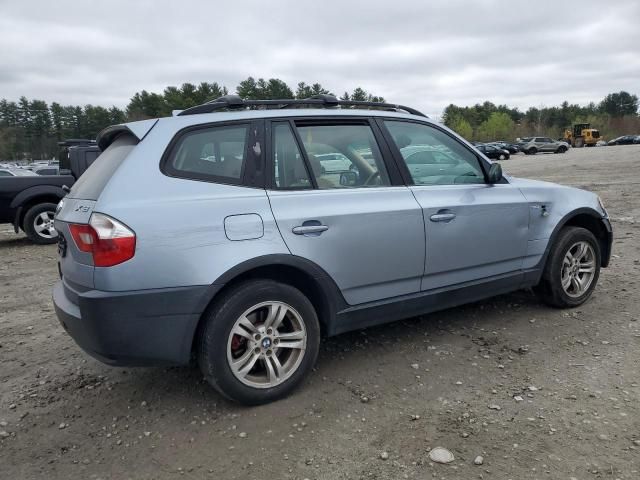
{"x": 540, "y": 140}
{"x": 212, "y": 153}
{"x": 433, "y": 157}
{"x": 92, "y": 182}
{"x": 343, "y": 156}
{"x": 4, "y": 173}
{"x": 289, "y": 167}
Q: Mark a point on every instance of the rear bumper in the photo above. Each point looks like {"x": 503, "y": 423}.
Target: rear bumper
{"x": 140, "y": 328}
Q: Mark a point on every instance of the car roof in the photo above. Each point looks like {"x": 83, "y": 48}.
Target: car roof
{"x": 140, "y": 128}
{"x": 288, "y": 112}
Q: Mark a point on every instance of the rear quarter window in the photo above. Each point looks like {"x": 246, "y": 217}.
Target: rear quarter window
{"x": 91, "y": 183}
{"x": 212, "y": 153}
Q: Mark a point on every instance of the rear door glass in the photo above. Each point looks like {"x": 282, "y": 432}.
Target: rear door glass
{"x": 343, "y": 156}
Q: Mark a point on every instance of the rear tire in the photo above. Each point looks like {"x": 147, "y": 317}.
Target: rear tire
{"x": 572, "y": 269}
{"x": 532, "y": 151}
{"x": 38, "y": 224}
{"x": 561, "y": 150}
{"x": 243, "y": 357}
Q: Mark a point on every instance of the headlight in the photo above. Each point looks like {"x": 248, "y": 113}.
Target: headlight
{"x": 601, "y": 203}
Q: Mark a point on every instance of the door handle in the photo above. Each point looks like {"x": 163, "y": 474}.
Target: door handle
{"x": 309, "y": 229}
{"x": 442, "y": 217}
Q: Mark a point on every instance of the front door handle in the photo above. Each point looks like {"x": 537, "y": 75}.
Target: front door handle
{"x": 442, "y": 217}
{"x": 309, "y": 229}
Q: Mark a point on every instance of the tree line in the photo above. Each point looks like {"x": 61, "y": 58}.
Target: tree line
{"x": 616, "y": 114}
{"x": 30, "y": 129}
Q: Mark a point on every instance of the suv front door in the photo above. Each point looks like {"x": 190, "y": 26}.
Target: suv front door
{"x": 357, "y": 221}
{"x": 474, "y": 230}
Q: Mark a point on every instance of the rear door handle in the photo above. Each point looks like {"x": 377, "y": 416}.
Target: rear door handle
{"x": 309, "y": 229}
{"x": 442, "y": 217}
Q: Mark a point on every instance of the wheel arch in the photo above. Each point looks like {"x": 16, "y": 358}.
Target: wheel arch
{"x": 308, "y": 277}
{"x": 591, "y": 220}
{"x": 34, "y": 196}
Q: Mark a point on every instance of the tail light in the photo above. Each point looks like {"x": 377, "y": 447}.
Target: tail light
{"x": 109, "y": 241}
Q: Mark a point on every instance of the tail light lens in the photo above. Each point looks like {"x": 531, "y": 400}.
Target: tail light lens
{"x": 109, "y": 241}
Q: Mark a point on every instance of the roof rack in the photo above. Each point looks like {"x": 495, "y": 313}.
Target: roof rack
{"x": 234, "y": 102}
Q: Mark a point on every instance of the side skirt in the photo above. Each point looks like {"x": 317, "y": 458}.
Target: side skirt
{"x": 389, "y": 310}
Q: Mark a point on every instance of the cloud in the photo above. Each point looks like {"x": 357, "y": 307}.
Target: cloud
{"x": 423, "y": 54}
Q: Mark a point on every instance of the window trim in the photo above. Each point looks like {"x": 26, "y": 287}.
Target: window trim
{"x": 394, "y": 174}
{"x": 397, "y": 155}
{"x": 269, "y": 151}
{"x": 249, "y": 177}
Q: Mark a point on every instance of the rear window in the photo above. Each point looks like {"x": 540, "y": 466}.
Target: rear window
{"x": 213, "y": 153}
{"x": 90, "y": 185}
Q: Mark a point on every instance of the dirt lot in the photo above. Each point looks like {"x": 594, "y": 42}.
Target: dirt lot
{"x": 448, "y": 379}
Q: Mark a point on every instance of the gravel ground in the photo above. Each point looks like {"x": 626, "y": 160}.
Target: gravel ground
{"x": 538, "y": 393}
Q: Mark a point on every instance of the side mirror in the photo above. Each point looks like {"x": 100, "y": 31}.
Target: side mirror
{"x": 349, "y": 179}
{"x": 495, "y": 173}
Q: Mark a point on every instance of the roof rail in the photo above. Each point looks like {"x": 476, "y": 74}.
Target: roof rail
{"x": 234, "y": 102}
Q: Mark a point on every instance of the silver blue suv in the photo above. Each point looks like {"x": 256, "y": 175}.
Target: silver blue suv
{"x": 229, "y": 234}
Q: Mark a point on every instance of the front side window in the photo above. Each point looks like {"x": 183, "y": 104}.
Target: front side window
{"x": 433, "y": 157}
{"x": 212, "y": 153}
{"x": 343, "y": 156}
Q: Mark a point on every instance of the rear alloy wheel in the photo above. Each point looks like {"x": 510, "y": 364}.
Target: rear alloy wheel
{"x": 501, "y": 157}
{"x": 532, "y": 151}
{"x": 572, "y": 269}
{"x": 38, "y": 224}
{"x": 259, "y": 341}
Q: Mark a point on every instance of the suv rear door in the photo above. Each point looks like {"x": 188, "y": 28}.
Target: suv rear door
{"x": 474, "y": 230}
{"x": 361, "y": 225}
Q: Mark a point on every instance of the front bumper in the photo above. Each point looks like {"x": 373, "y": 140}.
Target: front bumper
{"x": 140, "y": 328}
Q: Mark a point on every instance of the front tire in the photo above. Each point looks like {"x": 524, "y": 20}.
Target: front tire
{"x": 572, "y": 269}
{"x": 38, "y": 224}
{"x": 258, "y": 341}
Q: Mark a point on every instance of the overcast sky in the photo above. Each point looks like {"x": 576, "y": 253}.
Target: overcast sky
{"x": 422, "y": 53}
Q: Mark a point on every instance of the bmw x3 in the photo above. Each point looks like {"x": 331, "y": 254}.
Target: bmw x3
{"x": 220, "y": 235}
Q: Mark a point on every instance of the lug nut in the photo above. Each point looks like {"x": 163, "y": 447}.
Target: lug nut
{"x": 276, "y": 341}
{"x": 269, "y": 331}
{"x": 269, "y": 352}
{"x": 257, "y": 336}
{"x": 256, "y": 350}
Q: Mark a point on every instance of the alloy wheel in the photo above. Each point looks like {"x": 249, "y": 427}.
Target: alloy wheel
{"x": 578, "y": 269}
{"x": 43, "y": 225}
{"x": 266, "y": 344}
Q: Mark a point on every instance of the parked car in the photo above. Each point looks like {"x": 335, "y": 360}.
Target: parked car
{"x": 48, "y": 170}
{"x": 243, "y": 262}
{"x": 625, "y": 140}
{"x": 533, "y": 145}
{"x": 28, "y": 201}
{"x": 15, "y": 172}
{"x": 334, "y": 162}
{"x": 510, "y": 147}
{"x": 493, "y": 152}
